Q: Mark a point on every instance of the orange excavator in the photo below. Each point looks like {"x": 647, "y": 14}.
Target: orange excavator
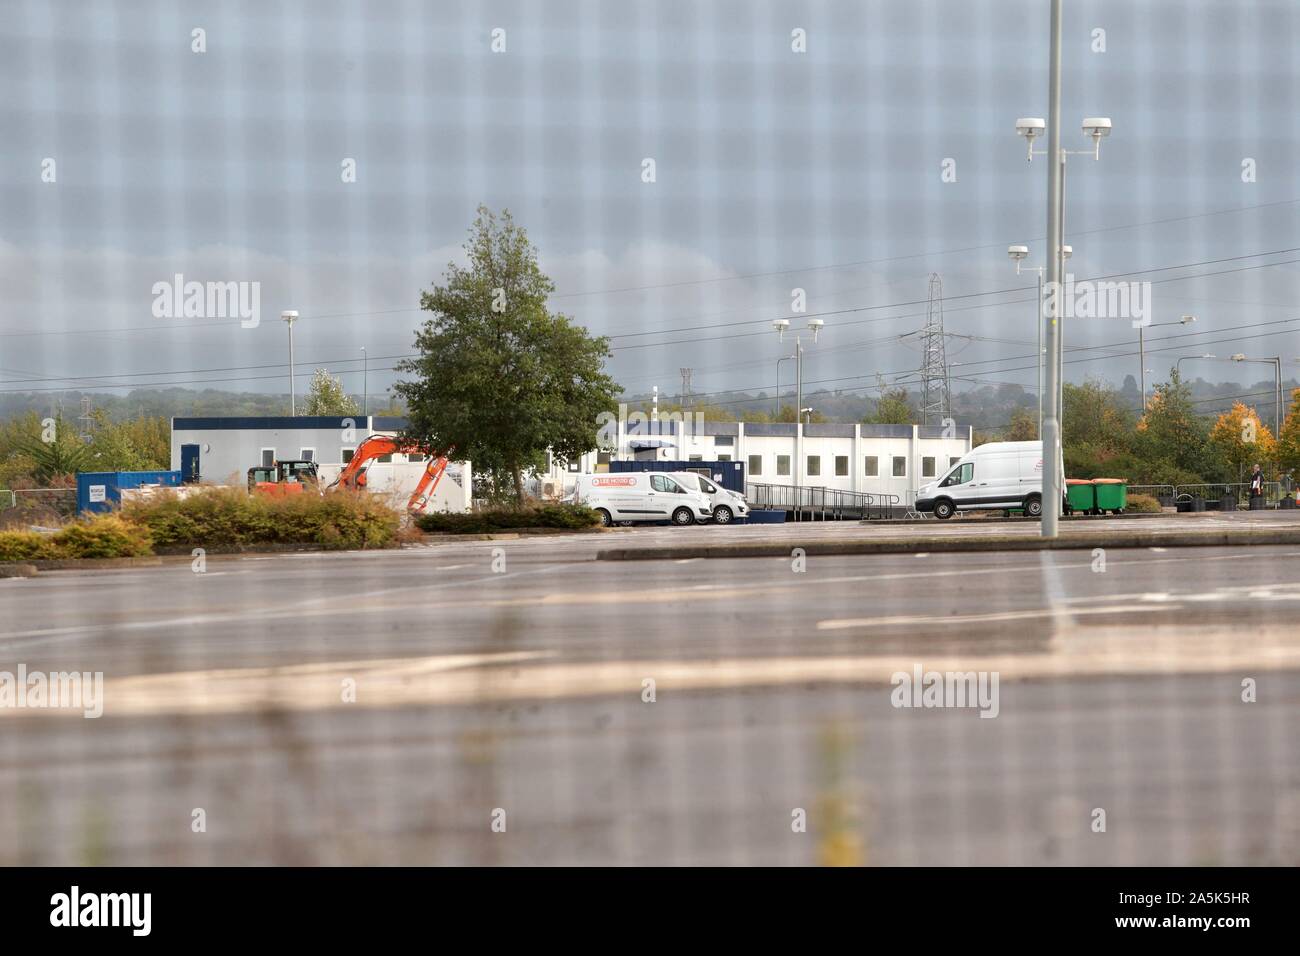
{"x": 281, "y": 478}
{"x": 353, "y": 474}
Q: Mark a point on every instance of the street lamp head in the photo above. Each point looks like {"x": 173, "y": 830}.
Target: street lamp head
{"x": 1096, "y": 126}
{"x": 1239, "y": 357}
{"x": 781, "y": 325}
{"x": 1067, "y": 251}
{"x": 815, "y": 326}
{"x": 1187, "y": 319}
{"x": 289, "y": 316}
{"x": 1030, "y": 127}
{"x": 1017, "y": 252}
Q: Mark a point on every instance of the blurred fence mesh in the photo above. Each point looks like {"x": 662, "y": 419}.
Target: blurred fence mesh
{"x": 418, "y": 706}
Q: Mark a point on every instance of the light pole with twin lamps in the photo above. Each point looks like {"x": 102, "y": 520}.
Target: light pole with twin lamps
{"x": 1096, "y": 127}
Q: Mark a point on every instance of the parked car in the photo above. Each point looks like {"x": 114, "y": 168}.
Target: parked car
{"x": 727, "y": 504}
{"x": 1004, "y": 474}
{"x": 628, "y": 497}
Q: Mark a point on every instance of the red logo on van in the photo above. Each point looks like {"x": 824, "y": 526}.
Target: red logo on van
{"x": 613, "y": 482}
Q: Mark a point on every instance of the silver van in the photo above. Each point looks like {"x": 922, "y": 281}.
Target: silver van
{"x": 727, "y": 505}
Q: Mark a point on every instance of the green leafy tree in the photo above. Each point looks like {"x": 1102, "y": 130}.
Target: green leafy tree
{"x": 892, "y": 408}
{"x": 151, "y": 437}
{"x": 54, "y": 448}
{"x": 1098, "y": 432}
{"x": 326, "y": 396}
{"x": 1096, "y": 414}
{"x": 127, "y": 446}
{"x": 1171, "y": 439}
{"x": 1023, "y": 426}
{"x": 16, "y": 465}
{"x": 498, "y": 376}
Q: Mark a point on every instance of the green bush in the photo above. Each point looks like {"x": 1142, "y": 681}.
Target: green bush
{"x": 340, "y": 520}
{"x": 25, "y": 546}
{"x": 103, "y": 536}
{"x": 567, "y": 517}
{"x": 1142, "y": 504}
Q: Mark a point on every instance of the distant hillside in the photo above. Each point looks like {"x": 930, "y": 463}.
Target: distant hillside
{"x": 988, "y": 408}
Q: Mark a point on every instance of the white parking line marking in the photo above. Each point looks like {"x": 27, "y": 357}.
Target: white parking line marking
{"x": 947, "y": 619}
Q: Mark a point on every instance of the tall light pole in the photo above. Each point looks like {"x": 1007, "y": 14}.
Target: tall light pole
{"x": 365, "y": 383}
{"x": 1031, "y": 127}
{"x": 814, "y": 326}
{"x": 1018, "y": 254}
{"x": 290, "y": 318}
{"x": 1142, "y": 351}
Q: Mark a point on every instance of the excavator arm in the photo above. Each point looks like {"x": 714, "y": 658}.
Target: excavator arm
{"x": 353, "y": 474}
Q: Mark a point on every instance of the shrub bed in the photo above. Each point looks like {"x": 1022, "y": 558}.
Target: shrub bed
{"x": 1142, "y": 504}
{"x": 340, "y": 520}
{"x": 103, "y": 536}
{"x": 566, "y": 517}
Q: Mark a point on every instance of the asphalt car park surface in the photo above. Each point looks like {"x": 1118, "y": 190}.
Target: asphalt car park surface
{"x": 511, "y": 675}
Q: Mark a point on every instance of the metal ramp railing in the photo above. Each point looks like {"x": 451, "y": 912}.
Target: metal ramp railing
{"x": 818, "y": 503}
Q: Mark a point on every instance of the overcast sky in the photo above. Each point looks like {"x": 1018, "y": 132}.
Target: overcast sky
{"x": 774, "y": 170}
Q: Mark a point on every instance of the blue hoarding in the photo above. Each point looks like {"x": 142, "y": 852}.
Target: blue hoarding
{"x": 99, "y": 491}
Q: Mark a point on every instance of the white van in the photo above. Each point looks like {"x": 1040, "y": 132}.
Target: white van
{"x": 726, "y": 503}
{"x": 1001, "y": 474}
{"x": 641, "y": 496}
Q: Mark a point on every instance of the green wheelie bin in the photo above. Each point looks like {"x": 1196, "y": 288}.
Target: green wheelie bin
{"x": 1080, "y": 495}
{"x": 1112, "y": 494}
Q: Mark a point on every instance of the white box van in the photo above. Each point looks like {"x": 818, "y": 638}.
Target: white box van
{"x": 726, "y": 503}
{"x": 642, "y": 496}
{"x": 1001, "y": 474}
